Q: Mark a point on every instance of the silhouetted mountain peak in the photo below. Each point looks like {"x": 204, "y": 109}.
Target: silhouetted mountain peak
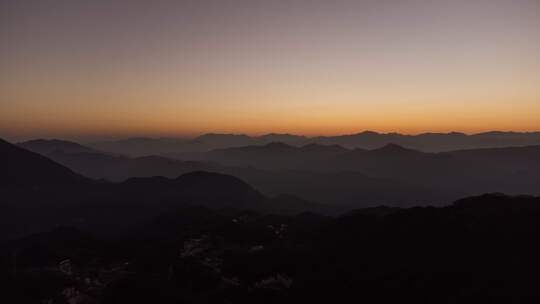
{"x": 209, "y": 189}
{"x": 368, "y": 132}
{"x": 197, "y": 187}
{"x": 285, "y": 135}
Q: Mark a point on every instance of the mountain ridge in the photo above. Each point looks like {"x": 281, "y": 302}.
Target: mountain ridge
{"x": 427, "y": 142}
{"x": 25, "y": 168}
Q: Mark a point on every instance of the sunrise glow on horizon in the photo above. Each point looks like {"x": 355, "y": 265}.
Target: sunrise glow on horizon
{"x": 98, "y": 69}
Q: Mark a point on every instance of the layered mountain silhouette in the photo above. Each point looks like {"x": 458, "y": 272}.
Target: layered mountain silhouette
{"x": 342, "y": 189}
{"x": 113, "y": 167}
{"x": 335, "y": 175}
{"x": 311, "y": 157}
{"x": 464, "y": 172}
{"x": 271, "y": 156}
{"x": 44, "y": 192}
{"x": 210, "y": 237}
{"x": 164, "y": 146}
{"x": 45, "y": 147}
{"x": 428, "y": 142}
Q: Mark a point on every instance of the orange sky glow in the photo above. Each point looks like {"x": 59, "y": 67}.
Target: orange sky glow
{"x": 99, "y": 69}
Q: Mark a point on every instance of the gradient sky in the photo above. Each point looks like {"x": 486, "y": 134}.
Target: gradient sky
{"x": 111, "y": 68}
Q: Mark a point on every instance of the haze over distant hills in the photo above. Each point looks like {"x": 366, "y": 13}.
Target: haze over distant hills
{"x": 48, "y": 146}
{"x": 428, "y": 142}
{"x": 331, "y": 174}
{"x": 37, "y": 192}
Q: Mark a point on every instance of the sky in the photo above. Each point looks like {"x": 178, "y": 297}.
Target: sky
{"x": 103, "y": 69}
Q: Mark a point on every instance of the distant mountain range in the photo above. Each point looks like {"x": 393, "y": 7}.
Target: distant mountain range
{"x": 37, "y": 192}
{"x": 428, "y": 142}
{"x": 333, "y": 175}
{"x": 113, "y": 167}
{"x": 49, "y": 146}
{"x": 342, "y": 188}
{"x": 462, "y": 172}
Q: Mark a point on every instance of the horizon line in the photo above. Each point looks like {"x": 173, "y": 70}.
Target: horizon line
{"x": 253, "y": 135}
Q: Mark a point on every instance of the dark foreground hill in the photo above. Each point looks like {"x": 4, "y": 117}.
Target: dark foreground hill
{"x": 478, "y": 250}
{"x": 25, "y": 168}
